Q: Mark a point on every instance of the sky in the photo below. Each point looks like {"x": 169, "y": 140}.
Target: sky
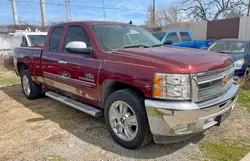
{"x": 29, "y": 10}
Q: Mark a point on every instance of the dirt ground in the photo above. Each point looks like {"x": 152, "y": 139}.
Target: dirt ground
{"x": 45, "y": 129}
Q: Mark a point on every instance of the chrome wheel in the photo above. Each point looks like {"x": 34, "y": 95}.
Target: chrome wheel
{"x": 123, "y": 121}
{"x": 26, "y": 85}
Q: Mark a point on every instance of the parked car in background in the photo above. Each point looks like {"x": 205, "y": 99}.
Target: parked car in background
{"x": 27, "y": 38}
{"x": 181, "y": 38}
{"x": 144, "y": 89}
{"x": 239, "y": 50}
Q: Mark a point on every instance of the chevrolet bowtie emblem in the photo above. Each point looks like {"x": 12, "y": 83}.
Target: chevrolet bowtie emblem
{"x": 225, "y": 79}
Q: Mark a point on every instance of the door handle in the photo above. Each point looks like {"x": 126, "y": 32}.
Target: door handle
{"x": 62, "y": 62}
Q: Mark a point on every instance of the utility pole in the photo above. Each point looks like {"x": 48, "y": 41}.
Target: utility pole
{"x": 43, "y": 13}
{"x": 248, "y": 10}
{"x": 153, "y": 14}
{"x": 68, "y": 10}
{"x": 14, "y": 11}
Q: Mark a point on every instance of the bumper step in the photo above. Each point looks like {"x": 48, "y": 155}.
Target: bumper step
{"x": 75, "y": 104}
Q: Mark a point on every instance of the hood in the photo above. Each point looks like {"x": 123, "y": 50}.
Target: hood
{"x": 184, "y": 60}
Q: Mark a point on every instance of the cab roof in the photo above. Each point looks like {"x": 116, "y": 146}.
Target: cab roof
{"x": 92, "y": 22}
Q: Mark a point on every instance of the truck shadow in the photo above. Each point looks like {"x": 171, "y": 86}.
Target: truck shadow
{"x": 87, "y": 128}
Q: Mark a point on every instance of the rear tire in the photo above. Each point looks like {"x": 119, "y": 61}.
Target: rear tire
{"x": 128, "y": 127}
{"x": 31, "y": 90}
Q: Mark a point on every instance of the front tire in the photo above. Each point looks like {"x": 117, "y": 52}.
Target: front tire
{"x": 31, "y": 90}
{"x": 126, "y": 119}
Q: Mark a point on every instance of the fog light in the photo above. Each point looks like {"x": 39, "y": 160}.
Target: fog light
{"x": 184, "y": 128}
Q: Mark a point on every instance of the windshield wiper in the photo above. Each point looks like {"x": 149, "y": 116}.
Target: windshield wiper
{"x": 157, "y": 45}
{"x": 137, "y": 46}
{"x": 224, "y": 52}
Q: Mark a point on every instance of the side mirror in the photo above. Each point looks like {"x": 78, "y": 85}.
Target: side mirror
{"x": 77, "y": 47}
{"x": 168, "y": 42}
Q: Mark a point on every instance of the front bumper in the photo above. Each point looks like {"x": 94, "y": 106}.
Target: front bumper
{"x": 185, "y": 119}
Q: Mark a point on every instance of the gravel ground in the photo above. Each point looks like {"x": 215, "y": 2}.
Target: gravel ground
{"x": 45, "y": 129}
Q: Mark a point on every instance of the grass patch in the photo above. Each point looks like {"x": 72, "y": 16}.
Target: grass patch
{"x": 9, "y": 80}
{"x": 244, "y": 99}
{"x": 226, "y": 151}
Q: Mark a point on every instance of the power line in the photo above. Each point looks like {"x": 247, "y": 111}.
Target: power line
{"x": 85, "y": 6}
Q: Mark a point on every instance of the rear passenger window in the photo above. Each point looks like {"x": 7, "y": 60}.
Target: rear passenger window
{"x": 185, "y": 36}
{"x": 77, "y": 33}
{"x": 55, "y": 39}
{"x": 172, "y": 36}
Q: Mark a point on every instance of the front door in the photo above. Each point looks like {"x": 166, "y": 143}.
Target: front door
{"x": 185, "y": 40}
{"x": 79, "y": 71}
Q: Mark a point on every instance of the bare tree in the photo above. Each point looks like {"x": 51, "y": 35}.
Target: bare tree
{"x": 164, "y": 17}
{"x": 149, "y": 20}
{"x": 212, "y": 9}
{"x": 168, "y": 16}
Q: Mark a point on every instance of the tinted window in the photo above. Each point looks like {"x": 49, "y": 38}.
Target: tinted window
{"x": 173, "y": 36}
{"x": 185, "y": 36}
{"x": 55, "y": 39}
{"x": 159, "y": 35}
{"x": 24, "y": 42}
{"x": 77, "y": 33}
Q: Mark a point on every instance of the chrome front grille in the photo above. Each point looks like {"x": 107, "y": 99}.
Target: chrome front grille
{"x": 214, "y": 83}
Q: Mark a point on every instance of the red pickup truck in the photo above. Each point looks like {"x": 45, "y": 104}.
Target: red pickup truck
{"x": 144, "y": 89}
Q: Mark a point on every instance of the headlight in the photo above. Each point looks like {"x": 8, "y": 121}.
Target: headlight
{"x": 238, "y": 64}
{"x": 171, "y": 86}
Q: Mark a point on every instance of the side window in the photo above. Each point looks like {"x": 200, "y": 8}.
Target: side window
{"x": 77, "y": 33}
{"x": 185, "y": 36}
{"x": 55, "y": 39}
{"x": 24, "y": 42}
{"x": 172, "y": 36}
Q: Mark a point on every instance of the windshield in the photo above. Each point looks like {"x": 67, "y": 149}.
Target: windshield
{"x": 117, "y": 36}
{"x": 231, "y": 47}
{"x": 37, "y": 39}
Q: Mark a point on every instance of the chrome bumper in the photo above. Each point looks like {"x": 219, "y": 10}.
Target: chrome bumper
{"x": 172, "y": 118}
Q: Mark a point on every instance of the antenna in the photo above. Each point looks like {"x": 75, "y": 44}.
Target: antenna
{"x": 104, "y": 15}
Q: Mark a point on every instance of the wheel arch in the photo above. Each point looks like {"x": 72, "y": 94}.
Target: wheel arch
{"x": 110, "y": 86}
{"x": 21, "y": 67}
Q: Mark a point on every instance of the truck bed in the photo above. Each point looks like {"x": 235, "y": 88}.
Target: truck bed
{"x": 27, "y": 55}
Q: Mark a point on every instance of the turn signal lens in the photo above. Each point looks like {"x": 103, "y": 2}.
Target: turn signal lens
{"x": 158, "y": 92}
{"x": 158, "y": 79}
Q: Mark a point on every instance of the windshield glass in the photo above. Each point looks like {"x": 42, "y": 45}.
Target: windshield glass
{"x": 37, "y": 39}
{"x": 231, "y": 47}
{"x": 117, "y": 36}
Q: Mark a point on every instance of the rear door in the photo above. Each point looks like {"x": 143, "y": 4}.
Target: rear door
{"x": 51, "y": 57}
